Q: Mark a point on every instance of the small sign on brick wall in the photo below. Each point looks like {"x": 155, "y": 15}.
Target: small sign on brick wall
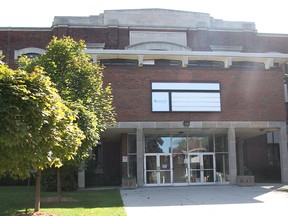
{"x": 124, "y": 159}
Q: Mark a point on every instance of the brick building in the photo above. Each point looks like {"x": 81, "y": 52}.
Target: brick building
{"x": 198, "y": 100}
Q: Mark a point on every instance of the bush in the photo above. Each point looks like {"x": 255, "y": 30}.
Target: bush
{"x": 68, "y": 178}
{"x": 8, "y": 181}
{"x": 93, "y": 179}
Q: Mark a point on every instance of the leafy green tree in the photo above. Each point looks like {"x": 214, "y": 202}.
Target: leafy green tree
{"x": 37, "y": 129}
{"x": 80, "y": 83}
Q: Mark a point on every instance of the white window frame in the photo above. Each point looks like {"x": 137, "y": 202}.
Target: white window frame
{"x": 185, "y": 97}
{"x": 18, "y": 53}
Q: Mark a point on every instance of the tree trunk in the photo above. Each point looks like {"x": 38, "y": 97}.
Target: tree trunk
{"x": 59, "y": 189}
{"x": 38, "y": 189}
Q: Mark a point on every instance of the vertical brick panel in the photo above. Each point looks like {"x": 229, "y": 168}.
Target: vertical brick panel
{"x": 246, "y": 95}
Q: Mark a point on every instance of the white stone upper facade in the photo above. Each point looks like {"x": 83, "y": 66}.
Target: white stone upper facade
{"x": 154, "y": 18}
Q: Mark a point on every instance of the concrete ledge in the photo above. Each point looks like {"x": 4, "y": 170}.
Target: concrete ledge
{"x": 200, "y": 124}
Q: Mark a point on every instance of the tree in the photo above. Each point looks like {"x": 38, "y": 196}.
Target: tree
{"x": 80, "y": 83}
{"x": 37, "y": 129}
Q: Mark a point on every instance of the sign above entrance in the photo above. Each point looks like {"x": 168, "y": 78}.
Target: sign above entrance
{"x": 185, "y": 97}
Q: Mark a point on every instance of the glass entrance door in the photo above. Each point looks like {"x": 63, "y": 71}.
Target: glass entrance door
{"x": 201, "y": 168}
{"x": 157, "y": 169}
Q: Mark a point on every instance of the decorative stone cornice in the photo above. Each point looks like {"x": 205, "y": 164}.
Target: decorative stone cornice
{"x": 268, "y": 59}
{"x": 153, "y": 18}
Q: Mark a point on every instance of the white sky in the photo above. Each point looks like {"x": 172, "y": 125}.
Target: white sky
{"x": 269, "y": 16}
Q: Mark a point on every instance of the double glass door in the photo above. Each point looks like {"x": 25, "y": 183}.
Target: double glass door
{"x": 192, "y": 168}
{"x": 158, "y": 169}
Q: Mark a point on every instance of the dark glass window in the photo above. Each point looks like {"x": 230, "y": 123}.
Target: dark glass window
{"x": 119, "y": 62}
{"x": 204, "y": 64}
{"x": 165, "y": 62}
{"x": 32, "y": 55}
{"x": 245, "y": 64}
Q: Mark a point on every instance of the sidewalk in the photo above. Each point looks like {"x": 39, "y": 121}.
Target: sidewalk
{"x": 206, "y": 200}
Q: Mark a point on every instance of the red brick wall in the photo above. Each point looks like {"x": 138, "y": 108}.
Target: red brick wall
{"x": 18, "y": 39}
{"x": 118, "y": 38}
{"x": 114, "y": 38}
{"x": 271, "y": 44}
{"x": 245, "y": 95}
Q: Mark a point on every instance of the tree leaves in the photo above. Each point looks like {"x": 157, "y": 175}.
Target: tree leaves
{"x": 48, "y": 118}
{"x": 36, "y": 125}
{"x": 79, "y": 82}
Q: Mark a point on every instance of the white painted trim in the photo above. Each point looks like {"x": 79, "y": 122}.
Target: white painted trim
{"x": 187, "y": 53}
{"x": 17, "y": 53}
{"x": 184, "y": 56}
{"x": 185, "y": 86}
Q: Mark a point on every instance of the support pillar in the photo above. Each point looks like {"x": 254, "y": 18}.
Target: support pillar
{"x": 140, "y": 157}
{"x": 283, "y": 154}
{"x": 232, "y": 156}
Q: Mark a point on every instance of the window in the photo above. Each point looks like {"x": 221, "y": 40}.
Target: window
{"x": 273, "y": 140}
{"x": 205, "y": 64}
{"x": 119, "y": 62}
{"x": 157, "y": 144}
{"x": 162, "y": 63}
{"x": 248, "y": 65}
{"x": 132, "y": 155}
{"x": 186, "y": 97}
{"x": 31, "y": 52}
{"x": 31, "y": 55}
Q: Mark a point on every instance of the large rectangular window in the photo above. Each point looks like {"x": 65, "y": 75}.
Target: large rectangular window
{"x": 185, "y": 97}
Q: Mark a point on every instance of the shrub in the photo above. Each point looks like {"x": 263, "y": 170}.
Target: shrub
{"x": 68, "y": 178}
{"x": 94, "y": 179}
{"x": 8, "y": 181}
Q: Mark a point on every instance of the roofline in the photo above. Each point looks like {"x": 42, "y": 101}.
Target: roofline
{"x": 189, "y": 53}
{"x": 272, "y": 35}
{"x": 25, "y": 29}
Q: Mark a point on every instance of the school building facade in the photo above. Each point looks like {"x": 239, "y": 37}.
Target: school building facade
{"x": 198, "y": 100}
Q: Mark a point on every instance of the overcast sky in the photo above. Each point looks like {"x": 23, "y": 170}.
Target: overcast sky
{"x": 269, "y": 16}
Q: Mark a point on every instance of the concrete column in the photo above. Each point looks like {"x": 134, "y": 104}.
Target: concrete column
{"x": 232, "y": 156}
{"x": 94, "y": 58}
{"x": 283, "y": 155}
{"x": 81, "y": 176}
{"x": 140, "y": 157}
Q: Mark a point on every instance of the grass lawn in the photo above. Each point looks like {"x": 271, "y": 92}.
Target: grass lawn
{"x": 15, "y": 200}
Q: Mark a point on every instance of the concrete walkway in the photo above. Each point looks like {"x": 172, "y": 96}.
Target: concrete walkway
{"x": 259, "y": 200}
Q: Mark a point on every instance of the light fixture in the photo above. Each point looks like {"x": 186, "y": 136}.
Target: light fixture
{"x": 186, "y": 123}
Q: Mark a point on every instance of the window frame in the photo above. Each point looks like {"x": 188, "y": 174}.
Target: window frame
{"x": 165, "y": 93}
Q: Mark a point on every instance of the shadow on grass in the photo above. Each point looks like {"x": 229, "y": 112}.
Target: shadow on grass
{"x": 16, "y": 199}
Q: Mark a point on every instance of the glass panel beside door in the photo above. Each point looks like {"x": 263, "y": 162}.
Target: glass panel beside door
{"x": 151, "y": 169}
{"x": 201, "y": 168}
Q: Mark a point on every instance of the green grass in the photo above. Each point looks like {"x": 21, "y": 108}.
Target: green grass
{"x": 15, "y": 200}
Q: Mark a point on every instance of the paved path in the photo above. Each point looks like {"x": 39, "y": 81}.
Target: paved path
{"x": 259, "y": 200}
